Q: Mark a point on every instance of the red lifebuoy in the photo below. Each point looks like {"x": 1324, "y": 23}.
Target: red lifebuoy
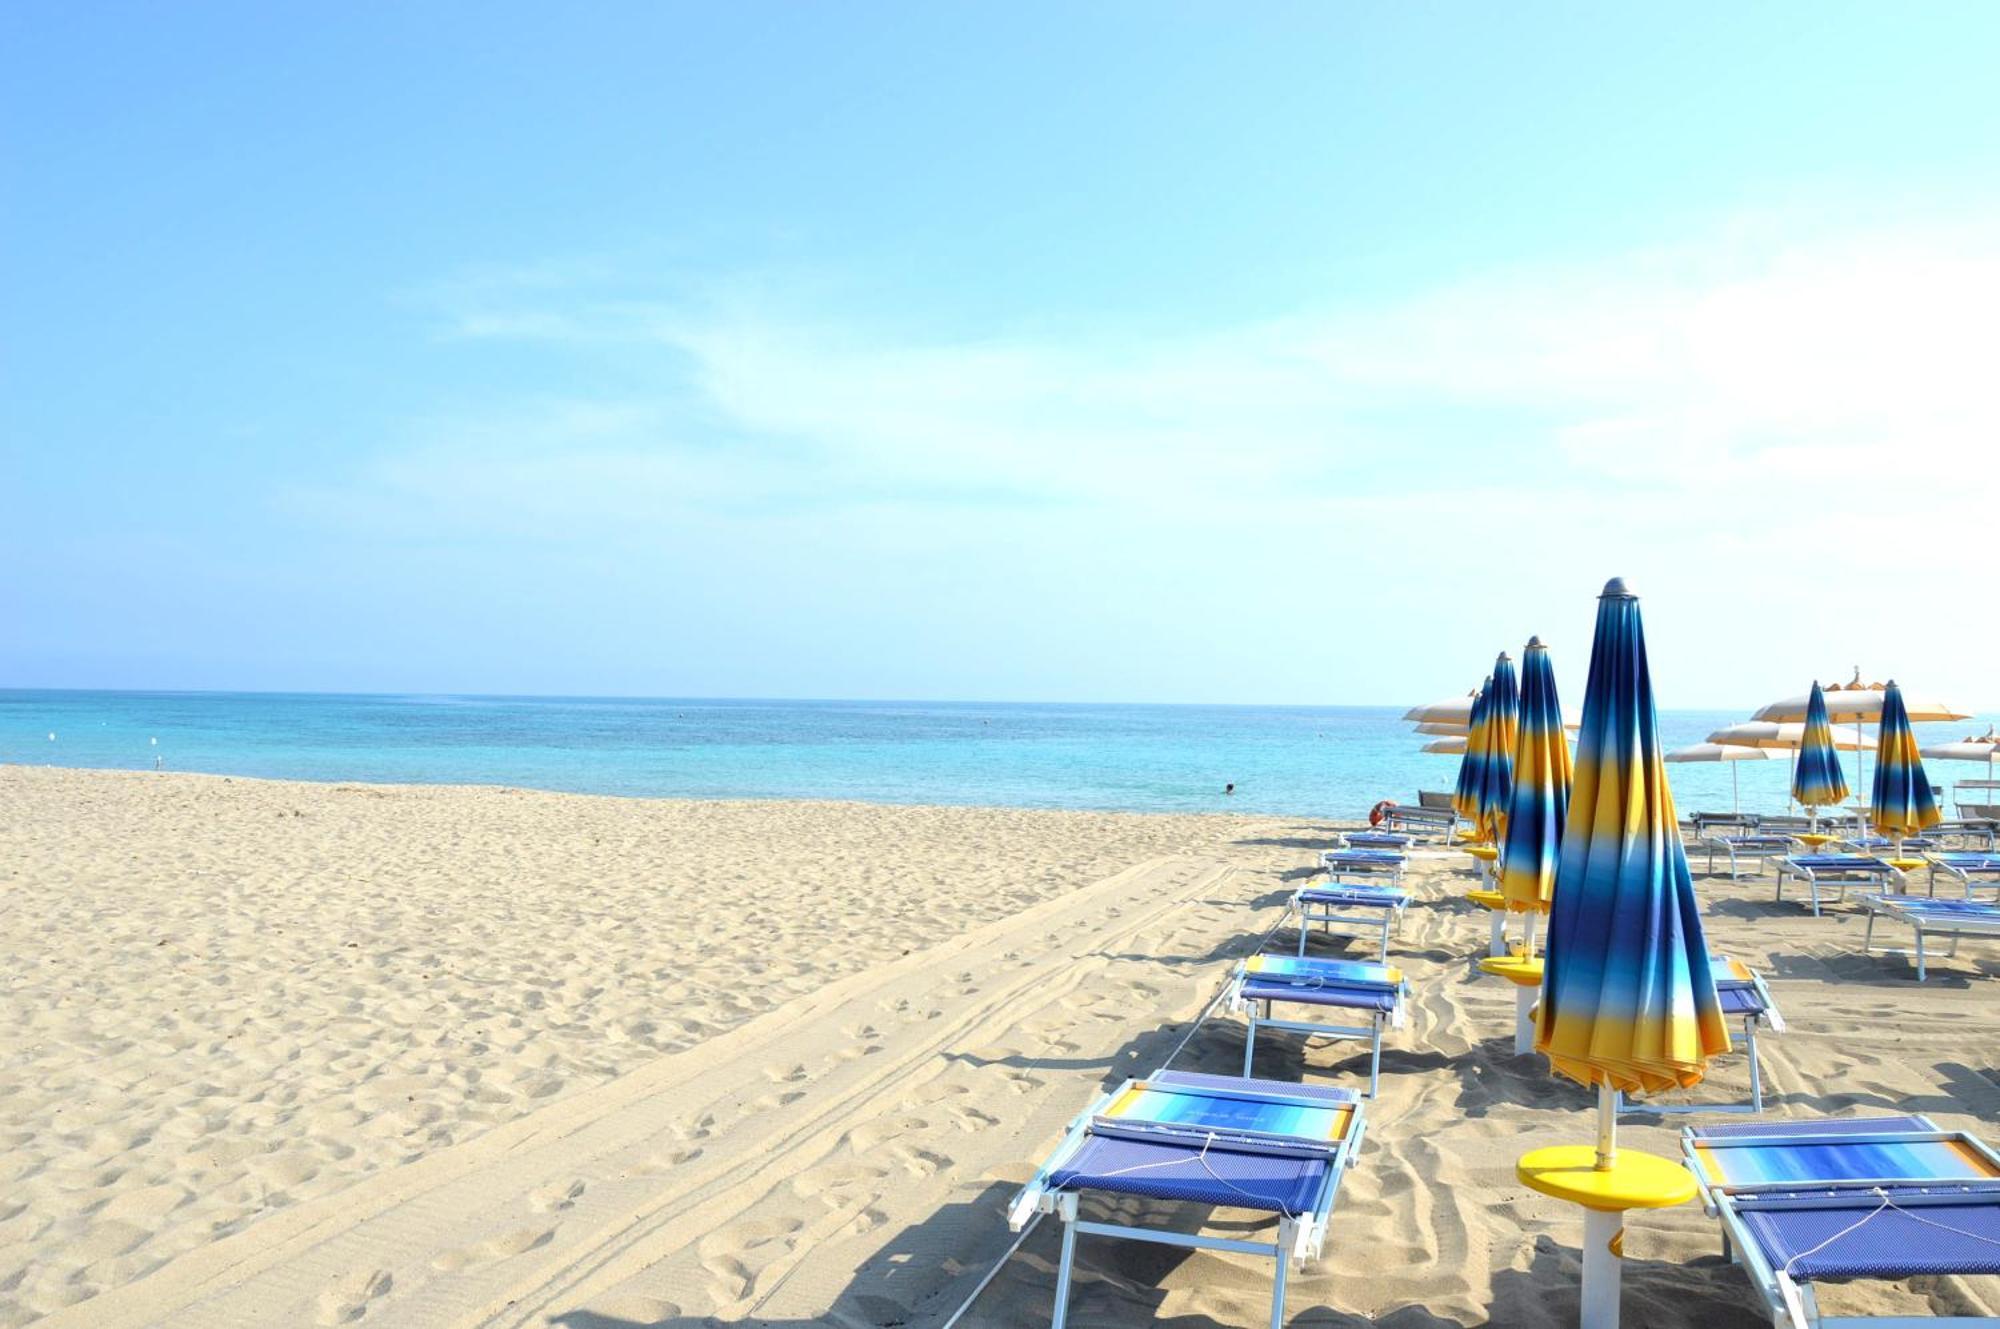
{"x": 1375, "y": 813}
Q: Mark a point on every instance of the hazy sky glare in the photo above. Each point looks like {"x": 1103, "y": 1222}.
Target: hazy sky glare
{"x": 1311, "y": 354}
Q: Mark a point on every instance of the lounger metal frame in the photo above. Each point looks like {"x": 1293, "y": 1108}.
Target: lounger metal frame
{"x": 1373, "y": 839}
{"x": 1247, "y": 1007}
{"x": 1298, "y": 1239}
{"x": 1363, "y": 867}
{"x": 1953, "y": 924}
{"x": 1422, "y": 823}
{"x": 1789, "y": 1301}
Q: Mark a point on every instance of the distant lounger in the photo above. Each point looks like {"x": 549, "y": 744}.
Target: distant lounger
{"x": 1421, "y": 823}
{"x": 1348, "y": 990}
{"x": 1705, "y": 822}
{"x": 1218, "y": 1140}
{"x": 1970, "y": 832}
{"x": 1395, "y": 841}
{"x": 1743, "y": 996}
{"x": 1755, "y": 849}
{"x": 1840, "y": 1199}
{"x": 1953, "y": 918}
{"x": 1834, "y": 873}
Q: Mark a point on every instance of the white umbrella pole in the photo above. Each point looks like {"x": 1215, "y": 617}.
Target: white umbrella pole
{"x": 1607, "y": 1126}
{"x": 1601, "y": 1228}
{"x": 1735, "y": 792}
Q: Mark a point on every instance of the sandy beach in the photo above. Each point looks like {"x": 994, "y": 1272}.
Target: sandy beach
{"x": 289, "y": 1054}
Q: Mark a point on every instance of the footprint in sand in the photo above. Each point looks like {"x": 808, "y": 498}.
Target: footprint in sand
{"x": 696, "y": 1128}
{"x": 791, "y": 1074}
{"x": 722, "y": 1253}
{"x": 836, "y": 1184}
{"x": 348, "y": 1298}
{"x": 502, "y": 1247}
{"x": 554, "y": 1196}
{"x": 668, "y": 1161}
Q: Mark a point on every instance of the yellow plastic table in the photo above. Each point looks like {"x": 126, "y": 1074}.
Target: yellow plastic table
{"x": 1812, "y": 840}
{"x": 1633, "y": 1181}
{"x": 1526, "y": 976}
{"x": 1496, "y": 941}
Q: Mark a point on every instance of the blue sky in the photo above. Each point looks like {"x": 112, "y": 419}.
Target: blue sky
{"x": 1309, "y": 353}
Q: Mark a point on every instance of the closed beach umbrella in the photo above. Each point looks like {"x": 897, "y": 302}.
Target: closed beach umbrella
{"x": 1902, "y": 804}
{"x": 1503, "y": 723}
{"x": 1628, "y": 1001}
{"x": 1728, "y": 752}
{"x": 1817, "y": 781}
{"x": 1471, "y": 769}
{"x": 1539, "y": 798}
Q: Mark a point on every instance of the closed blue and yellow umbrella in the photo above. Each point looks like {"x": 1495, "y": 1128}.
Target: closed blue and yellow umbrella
{"x": 1628, "y": 1002}
{"x": 1472, "y": 766}
{"x": 1818, "y": 781}
{"x": 1539, "y": 797}
{"x": 1496, "y": 777}
{"x": 1902, "y": 804}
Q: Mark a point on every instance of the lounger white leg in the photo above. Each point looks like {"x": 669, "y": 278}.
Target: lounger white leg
{"x": 1374, "y": 1068}
{"x": 1524, "y": 1020}
{"x": 1920, "y": 952}
{"x": 1601, "y": 1269}
{"x": 1285, "y": 1239}
{"x": 1868, "y": 936}
{"x": 1756, "y": 1072}
{"x": 1066, "y": 1211}
{"x": 1250, "y": 1041}
{"x": 1496, "y": 941}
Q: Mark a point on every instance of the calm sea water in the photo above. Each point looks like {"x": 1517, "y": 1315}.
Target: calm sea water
{"x": 1332, "y": 760}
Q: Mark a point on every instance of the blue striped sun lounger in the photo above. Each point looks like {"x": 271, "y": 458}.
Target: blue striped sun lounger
{"x": 1354, "y": 907}
{"x": 1835, "y": 873}
{"x": 1364, "y": 865}
{"x": 1967, "y": 869}
{"x": 1880, "y": 1198}
{"x": 1953, "y": 918}
{"x": 1743, "y": 997}
{"x": 1394, "y": 841}
{"x": 1217, "y": 1140}
{"x": 1420, "y": 822}
{"x": 1355, "y": 989}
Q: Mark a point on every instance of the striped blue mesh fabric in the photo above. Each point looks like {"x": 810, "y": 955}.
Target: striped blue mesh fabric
{"x": 1353, "y": 894}
{"x": 1856, "y": 1241}
{"x": 1197, "y": 1080}
{"x": 1813, "y": 1126}
{"x": 1281, "y": 1184}
{"x": 1372, "y": 998}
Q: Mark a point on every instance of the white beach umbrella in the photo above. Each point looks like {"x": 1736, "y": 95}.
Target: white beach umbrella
{"x": 1978, "y": 747}
{"x": 1454, "y": 716}
{"x": 1447, "y": 745}
{"x": 1857, "y": 701}
{"x": 1729, "y": 752}
{"x": 1772, "y": 736}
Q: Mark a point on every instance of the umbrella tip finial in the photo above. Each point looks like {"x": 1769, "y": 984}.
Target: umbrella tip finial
{"x": 1616, "y": 588}
{"x": 1535, "y": 643}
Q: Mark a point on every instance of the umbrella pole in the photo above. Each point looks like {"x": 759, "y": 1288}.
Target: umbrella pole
{"x": 1735, "y": 792}
{"x": 1607, "y": 1127}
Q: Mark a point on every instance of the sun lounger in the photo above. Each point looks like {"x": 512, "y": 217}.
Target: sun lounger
{"x": 1708, "y": 823}
{"x": 1744, "y": 997}
{"x": 1362, "y": 991}
{"x": 1436, "y": 800}
{"x": 1420, "y": 823}
{"x": 1835, "y": 873}
{"x": 1394, "y": 841}
{"x": 1954, "y": 918}
{"x": 1353, "y": 906}
{"x": 1859, "y": 843}
{"x": 1965, "y": 868}
{"x": 1880, "y": 1198}
{"x": 1203, "y": 1139}
{"x": 1968, "y": 833}
{"x": 1371, "y": 866}
{"x": 1755, "y": 848}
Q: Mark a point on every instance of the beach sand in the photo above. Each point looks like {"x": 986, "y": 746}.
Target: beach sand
{"x": 292, "y": 1054}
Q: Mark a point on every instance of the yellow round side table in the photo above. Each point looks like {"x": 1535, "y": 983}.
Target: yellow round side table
{"x": 1633, "y": 1181}
{"x": 1526, "y": 976}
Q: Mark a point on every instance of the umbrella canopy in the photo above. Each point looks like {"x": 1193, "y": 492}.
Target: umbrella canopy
{"x": 1722, "y": 752}
{"x": 1782, "y": 737}
{"x": 1471, "y": 770}
{"x": 1973, "y": 747}
{"x": 1452, "y": 710}
{"x": 1503, "y": 723}
{"x": 1902, "y": 804}
{"x": 1857, "y": 701}
{"x": 1446, "y": 745}
{"x": 1818, "y": 782}
{"x": 1539, "y": 798}
{"x": 1628, "y": 999}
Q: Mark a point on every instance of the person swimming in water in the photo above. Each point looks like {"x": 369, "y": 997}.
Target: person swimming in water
{"x": 1229, "y": 788}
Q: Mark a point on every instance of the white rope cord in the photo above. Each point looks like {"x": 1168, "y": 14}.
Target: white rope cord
{"x": 1888, "y": 1203}
{"x": 1202, "y": 1159}
{"x": 1034, "y": 1222}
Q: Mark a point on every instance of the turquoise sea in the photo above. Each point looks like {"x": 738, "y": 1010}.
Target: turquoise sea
{"x": 1305, "y": 760}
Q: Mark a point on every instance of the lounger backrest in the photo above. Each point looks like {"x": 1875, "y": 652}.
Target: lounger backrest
{"x": 1428, "y": 798}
